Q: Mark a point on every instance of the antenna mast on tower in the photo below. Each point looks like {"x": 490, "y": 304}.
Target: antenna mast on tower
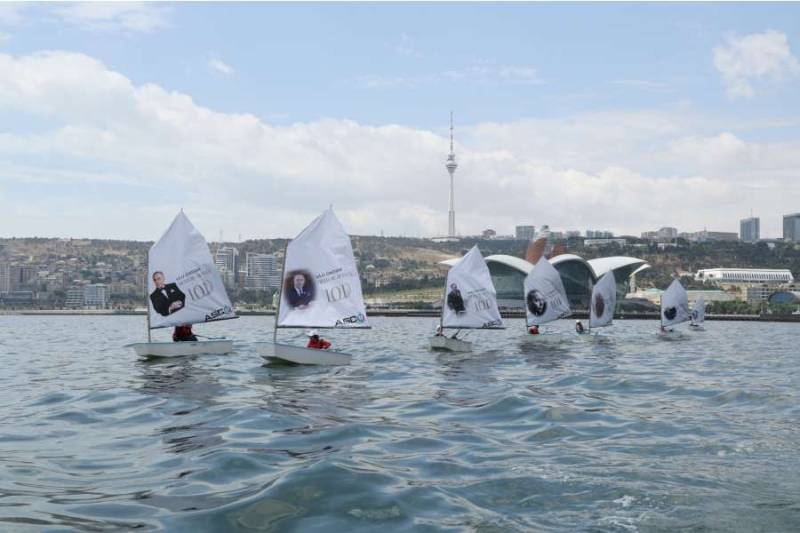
{"x": 451, "y": 166}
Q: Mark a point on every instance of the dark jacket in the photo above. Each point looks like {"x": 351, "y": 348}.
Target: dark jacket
{"x": 455, "y": 301}
{"x": 296, "y": 299}
{"x": 161, "y": 303}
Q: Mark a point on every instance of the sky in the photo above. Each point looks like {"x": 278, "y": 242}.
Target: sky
{"x": 255, "y": 117}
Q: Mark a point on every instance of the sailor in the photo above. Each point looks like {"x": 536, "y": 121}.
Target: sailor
{"x": 579, "y": 326}
{"x": 183, "y": 333}
{"x": 316, "y": 342}
{"x": 534, "y": 330}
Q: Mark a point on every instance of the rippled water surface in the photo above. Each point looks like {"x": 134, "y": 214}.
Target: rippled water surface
{"x": 619, "y": 432}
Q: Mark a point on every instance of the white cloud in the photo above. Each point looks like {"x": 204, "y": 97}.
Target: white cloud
{"x": 625, "y": 171}
{"x": 482, "y": 73}
{"x": 220, "y": 66}
{"x": 405, "y": 47}
{"x": 142, "y": 17}
{"x": 748, "y": 61}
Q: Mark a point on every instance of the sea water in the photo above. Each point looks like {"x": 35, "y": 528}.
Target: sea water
{"x": 619, "y": 431}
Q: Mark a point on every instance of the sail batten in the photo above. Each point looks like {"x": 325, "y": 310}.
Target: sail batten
{"x": 470, "y": 300}
{"x": 545, "y": 296}
{"x": 321, "y": 287}
{"x": 184, "y": 285}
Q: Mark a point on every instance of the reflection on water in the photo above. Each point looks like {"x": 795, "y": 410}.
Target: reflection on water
{"x": 613, "y": 431}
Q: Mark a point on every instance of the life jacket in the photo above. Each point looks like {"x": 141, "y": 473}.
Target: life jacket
{"x": 318, "y": 344}
{"x": 183, "y": 333}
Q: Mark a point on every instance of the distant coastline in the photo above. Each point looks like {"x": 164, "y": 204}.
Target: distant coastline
{"x": 399, "y": 313}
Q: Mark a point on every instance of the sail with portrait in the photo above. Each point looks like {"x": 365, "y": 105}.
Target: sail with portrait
{"x": 321, "y": 286}
{"x": 699, "y": 312}
{"x": 674, "y": 305}
{"x": 470, "y": 299}
{"x": 545, "y": 296}
{"x": 603, "y": 302}
{"x": 184, "y": 285}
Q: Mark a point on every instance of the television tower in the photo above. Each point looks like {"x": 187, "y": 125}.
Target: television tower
{"x": 451, "y": 166}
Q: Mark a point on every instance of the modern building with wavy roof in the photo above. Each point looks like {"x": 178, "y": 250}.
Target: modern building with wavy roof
{"x": 578, "y": 274}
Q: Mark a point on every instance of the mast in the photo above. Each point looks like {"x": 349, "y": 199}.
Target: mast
{"x": 280, "y": 295}
{"x": 146, "y": 299}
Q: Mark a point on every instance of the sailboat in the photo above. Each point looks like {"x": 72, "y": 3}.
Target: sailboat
{"x": 320, "y": 289}
{"x": 674, "y": 307}
{"x": 184, "y": 287}
{"x": 545, "y": 296}
{"x": 603, "y": 301}
{"x": 698, "y": 314}
{"x": 469, "y": 302}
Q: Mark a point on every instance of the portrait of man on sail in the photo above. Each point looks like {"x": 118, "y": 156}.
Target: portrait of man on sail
{"x": 299, "y": 289}
{"x": 167, "y": 298}
{"x": 454, "y": 299}
{"x": 537, "y": 303}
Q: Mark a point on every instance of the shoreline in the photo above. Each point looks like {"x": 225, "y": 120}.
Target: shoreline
{"x": 399, "y": 313}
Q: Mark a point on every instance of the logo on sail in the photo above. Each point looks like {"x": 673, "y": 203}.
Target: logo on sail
{"x": 670, "y": 313}
{"x": 351, "y": 320}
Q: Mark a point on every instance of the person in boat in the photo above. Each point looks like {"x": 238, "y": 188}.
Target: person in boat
{"x": 579, "y": 327}
{"x": 454, "y": 299}
{"x": 534, "y": 330}
{"x": 183, "y": 333}
{"x": 167, "y": 298}
{"x": 316, "y": 342}
{"x": 300, "y": 293}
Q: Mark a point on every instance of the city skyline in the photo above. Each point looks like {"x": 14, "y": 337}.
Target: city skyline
{"x": 116, "y": 116}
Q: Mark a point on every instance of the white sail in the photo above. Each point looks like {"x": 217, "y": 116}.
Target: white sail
{"x": 699, "y": 312}
{"x": 674, "y": 305}
{"x": 604, "y": 301}
{"x": 545, "y": 297}
{"x": 321, "y": 287}
{"x": 470, "y": 298}
{"x": 183, "y": 283}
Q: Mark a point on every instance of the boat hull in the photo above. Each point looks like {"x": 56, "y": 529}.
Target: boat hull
{"x": 276, "y": 352}
{"x": 180, "y": 349}
{"x": 448, "y": 344}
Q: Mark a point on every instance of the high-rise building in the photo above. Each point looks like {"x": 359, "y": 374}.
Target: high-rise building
{"x": 791, "y": 227}
{"x": 95, "y": 295}
{"x": 262, "y": 271}
{"x": 525, "y": 233}
{"x": 451, "y": 166}
{"x": 74, "y": 297}
{"x": 227, "y": 261}
{"x": 749, "y": 229}
{"x": 5, "y": 278}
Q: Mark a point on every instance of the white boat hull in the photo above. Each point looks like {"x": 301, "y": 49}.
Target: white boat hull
{"x": 448, "y": 344}
{"x": 300, "y": 355}
{"x": 180, "y": 349}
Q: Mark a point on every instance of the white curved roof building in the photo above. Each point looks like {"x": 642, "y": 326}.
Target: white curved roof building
{"x": 578, "y": 274}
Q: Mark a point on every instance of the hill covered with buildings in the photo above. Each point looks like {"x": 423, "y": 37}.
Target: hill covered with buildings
{"x": 44, "y": 273}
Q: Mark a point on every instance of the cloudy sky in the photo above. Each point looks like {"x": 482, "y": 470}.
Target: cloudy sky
{"x": 255, "y": 117}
